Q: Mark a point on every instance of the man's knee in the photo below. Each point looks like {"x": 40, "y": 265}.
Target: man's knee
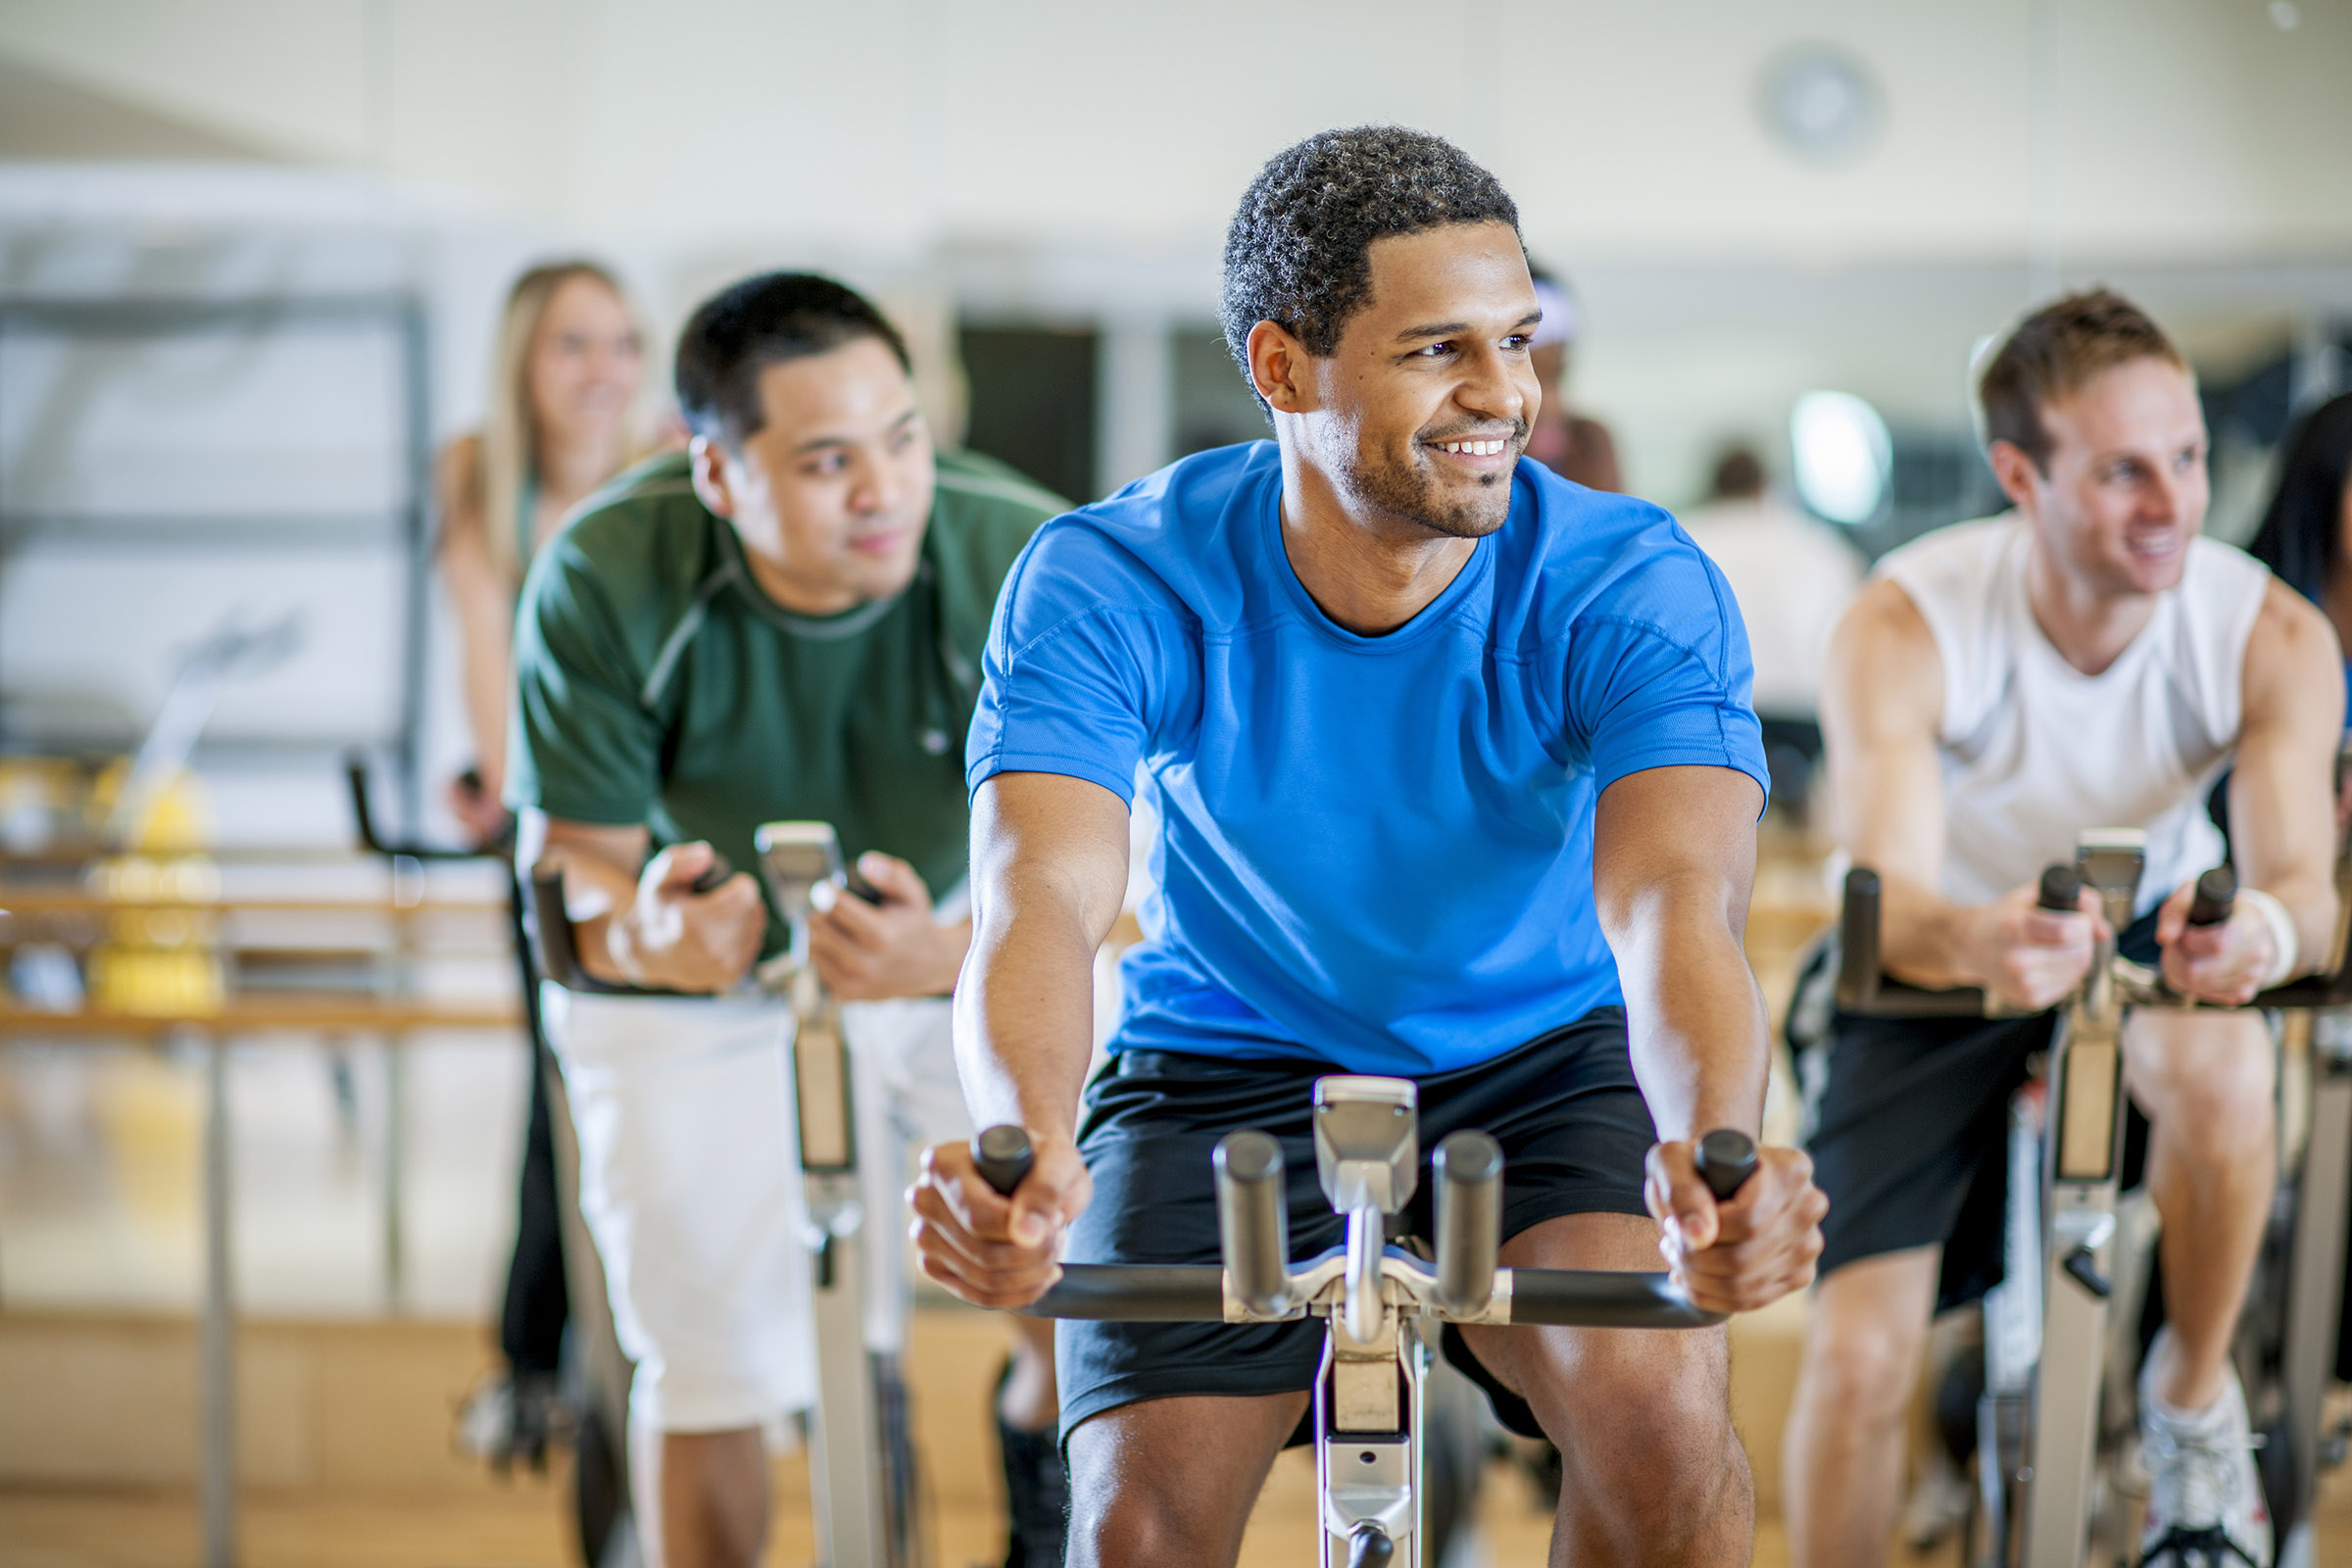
{"x": 1171, "y": 1481}
{"x": 1863, "y": 1345}
{"x": 1636, "y": 1406}
{"x": 2207, "y": 1083}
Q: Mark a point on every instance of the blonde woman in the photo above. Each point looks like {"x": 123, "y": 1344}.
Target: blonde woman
{"x": 562, "y": 399}
{"x": 571, "y": 359}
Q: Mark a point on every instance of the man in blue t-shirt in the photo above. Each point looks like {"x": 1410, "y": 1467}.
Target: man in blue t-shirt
{"x": 1457, "y": 781}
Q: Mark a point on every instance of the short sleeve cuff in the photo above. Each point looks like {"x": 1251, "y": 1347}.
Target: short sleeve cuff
{"x": 571, "y": 807}
{"x": 1009, "y": 761}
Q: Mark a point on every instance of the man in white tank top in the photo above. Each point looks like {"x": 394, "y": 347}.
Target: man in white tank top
{"x": 2085, "y": 660}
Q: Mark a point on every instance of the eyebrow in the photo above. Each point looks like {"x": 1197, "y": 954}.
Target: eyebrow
{"x": 1457, "y": 328}
{"x": 824, "y": 441}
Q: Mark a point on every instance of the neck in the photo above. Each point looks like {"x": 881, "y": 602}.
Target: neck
{"x": 791, "y": 594}
{"x": 2089, "y": 627}
{"x": 1366, "y": 569}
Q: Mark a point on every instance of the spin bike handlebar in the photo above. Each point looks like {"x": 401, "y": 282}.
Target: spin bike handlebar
{"x": 1866, "y": 990}
{"x": 1257, "y": 1284}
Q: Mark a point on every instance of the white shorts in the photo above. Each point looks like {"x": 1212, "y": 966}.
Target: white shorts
{"x": 690, "y": 1185}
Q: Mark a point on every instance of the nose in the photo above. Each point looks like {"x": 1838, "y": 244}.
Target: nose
{"x": 1490, "y": 386}
{"x": 877, "y": 487}
{"x": 2166, "y": 496}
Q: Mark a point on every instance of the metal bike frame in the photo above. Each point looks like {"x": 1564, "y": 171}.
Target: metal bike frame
{"x": 2082, "y": 1151}
{"x": 1372, "y": 1296}
{"x": 865, "y": 1507}
{"x": 2316, "y": 1276}
{"x": 2038, "y": 1452}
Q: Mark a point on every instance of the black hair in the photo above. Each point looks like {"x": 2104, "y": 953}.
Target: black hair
{"x": 745, "y": 328}
{"x": 2302, "y": 536}
{"x": 1298, "y": 250}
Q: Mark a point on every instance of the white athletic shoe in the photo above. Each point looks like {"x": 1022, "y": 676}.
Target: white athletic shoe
{"x": 2205, "y": 1502}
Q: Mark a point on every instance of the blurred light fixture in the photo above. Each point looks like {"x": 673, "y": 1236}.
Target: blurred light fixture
{"x": 2285, "y": 15}
{"x": 1820, "y": 102}
{"x": 1843, "y": 456}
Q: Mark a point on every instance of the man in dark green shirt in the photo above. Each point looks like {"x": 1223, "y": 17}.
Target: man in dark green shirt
{"x": 783, "y": 623}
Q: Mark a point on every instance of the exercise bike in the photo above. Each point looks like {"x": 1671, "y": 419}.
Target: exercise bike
{"x": 1376, "y": 1299}
{"x": 865, "y": 1487}
{"x": 2049, "y": 1344}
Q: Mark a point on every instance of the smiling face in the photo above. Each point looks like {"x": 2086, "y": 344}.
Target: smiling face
{"x": 1423, "y": 407}
{"x": 831, "y": 494}
{"x": 585, "y": 364}
{"x": 2126, "y": 487}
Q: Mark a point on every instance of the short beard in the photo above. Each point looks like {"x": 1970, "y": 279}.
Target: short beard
{"x": 1406, "y": 491}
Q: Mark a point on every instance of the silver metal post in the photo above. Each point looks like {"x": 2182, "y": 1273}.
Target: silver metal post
{"x": 217, "y": 1460}
{"x": 396, "y": 1119}
{"x": 2083, "y": 1146}
{"x": 2314, "y": 1279}
{"x": 850, "y": 1491}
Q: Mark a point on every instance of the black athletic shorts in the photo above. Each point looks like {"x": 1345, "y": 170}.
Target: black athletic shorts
{"x": 1574, "y": 1132}
{"x": 1908, "y": 1125}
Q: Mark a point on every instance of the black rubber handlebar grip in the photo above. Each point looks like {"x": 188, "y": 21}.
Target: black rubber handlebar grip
{"x": 2061, "y": 888}
{"x": 1726, "y": 1159}
{"x": 2215, "y": 898}
{"x": 1003, "y": 1157}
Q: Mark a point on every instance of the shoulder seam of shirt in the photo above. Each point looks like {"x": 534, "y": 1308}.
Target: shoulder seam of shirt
{"x": 1068, "y": 622}
{"x": 974, "y": 485}
{"x": 1641, "y": 625}
{"x": 673, "y": 647}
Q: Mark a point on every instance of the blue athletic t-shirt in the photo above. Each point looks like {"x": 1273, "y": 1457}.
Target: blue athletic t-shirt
{"x": 1375, "y": 851}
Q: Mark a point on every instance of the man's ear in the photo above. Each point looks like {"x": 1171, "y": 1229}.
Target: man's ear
{"x": 2014, "y": 470}
{"x": 1279, "y": 368}
{"x": 709, "y": 465}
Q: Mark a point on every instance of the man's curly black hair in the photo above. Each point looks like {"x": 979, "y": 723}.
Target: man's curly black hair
{"x": 1298, "y": 250}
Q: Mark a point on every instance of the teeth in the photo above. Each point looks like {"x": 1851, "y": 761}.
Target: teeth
{"x": 1476, "y": 449}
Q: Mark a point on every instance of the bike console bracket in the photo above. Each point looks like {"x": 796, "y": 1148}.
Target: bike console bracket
{"x": 1367, "y": 1146}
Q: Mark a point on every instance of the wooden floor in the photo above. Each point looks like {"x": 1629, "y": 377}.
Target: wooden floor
{"x": 425, "y": 1508}
{"x": 348, "y": 1462}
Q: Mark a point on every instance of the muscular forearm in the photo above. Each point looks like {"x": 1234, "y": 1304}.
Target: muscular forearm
{"x": 1698, "y": 1029}
{"x": 1024, "y": 1020}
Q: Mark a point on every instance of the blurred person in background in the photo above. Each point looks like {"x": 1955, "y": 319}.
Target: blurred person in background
{"x": 785, "y": 622}
{"x": 1793, "y": 578}
{"x": 2306, "y": 540}
{"x": 2304, "y": 535}
{"x": 571, "y": 361}
{"x": 1578, "y": 450}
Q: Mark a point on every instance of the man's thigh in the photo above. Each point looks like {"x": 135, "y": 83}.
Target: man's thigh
{"x": 1571, "y": 1369}
{"x": 687, "y": 1186}
{"x": 1173, "y": 1481}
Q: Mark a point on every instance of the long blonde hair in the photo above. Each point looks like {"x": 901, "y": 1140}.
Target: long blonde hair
{"x": 509, "y": 434}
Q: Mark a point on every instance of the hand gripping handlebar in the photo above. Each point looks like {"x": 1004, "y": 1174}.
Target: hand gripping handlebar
{"x": 1256, "y": 1282}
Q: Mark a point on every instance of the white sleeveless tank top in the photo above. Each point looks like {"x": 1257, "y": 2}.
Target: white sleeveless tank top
{"x": 2034, "y": 751}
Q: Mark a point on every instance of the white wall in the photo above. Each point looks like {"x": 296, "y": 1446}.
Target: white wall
{"x": 2176, "y": 128}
